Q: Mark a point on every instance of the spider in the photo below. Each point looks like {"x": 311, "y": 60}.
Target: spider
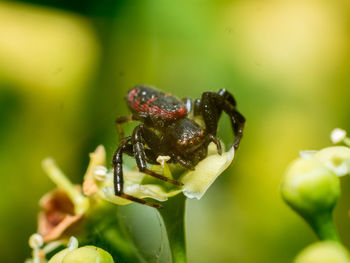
{"x": 167, "y": 128}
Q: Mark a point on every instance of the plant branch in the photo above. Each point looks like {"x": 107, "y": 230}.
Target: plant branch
{"x": 173, "y": 214}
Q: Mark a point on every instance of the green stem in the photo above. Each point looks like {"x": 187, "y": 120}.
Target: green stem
{"x": 173, "y": 214}
{"x": 324, "y": 227}
{"x": 104, "y": 229}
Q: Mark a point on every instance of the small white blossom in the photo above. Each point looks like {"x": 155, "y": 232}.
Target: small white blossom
{"x": 73, "y": 243}
{"x": 336, "y": 159}
{"x": 100, "y": 173}
{"x": 338, "y": 135}
{"x": 36, "y": 241}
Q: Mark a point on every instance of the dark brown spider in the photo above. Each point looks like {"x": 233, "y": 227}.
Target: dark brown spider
{"x": 167, "y": 130}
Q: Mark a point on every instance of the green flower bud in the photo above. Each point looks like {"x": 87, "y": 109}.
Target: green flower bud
{"x": 324, "y": 252}
{"x": 312, "y": 190}
{"x": 58, "y": 257}
{"x": 87, "y": 254}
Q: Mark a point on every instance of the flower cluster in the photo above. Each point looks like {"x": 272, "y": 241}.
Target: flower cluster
{"x": 100, "y": 180}
{"x": 66, "y": 208}
{"x": 311, "y": 186}
{"x": 71, "y": 254}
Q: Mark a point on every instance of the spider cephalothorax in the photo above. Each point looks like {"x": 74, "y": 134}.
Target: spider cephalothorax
{"x": 167, "y": 130}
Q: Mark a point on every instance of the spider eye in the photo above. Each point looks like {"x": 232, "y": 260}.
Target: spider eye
{"x": 182, "y": 142}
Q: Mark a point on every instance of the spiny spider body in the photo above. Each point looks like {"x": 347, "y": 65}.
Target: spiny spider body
{"x": 168, "y": 129}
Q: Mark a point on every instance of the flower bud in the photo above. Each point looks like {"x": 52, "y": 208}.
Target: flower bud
{"x": 324, "y": 252}
{"x": 338, "y": 135}
{"x": 312, "y": 190}
{"x": 58, "y": 257}
{"x": 87, "y": 254}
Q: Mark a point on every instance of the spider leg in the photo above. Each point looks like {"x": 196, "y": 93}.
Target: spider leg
{"x": 211, "y": 106}
{"x": 237, "y": 121}
{"x": 194, "y": 107}
{"x": 140, "y": 156}
{"x": 156, "y": 146}
{"x": 215, "y": 140}
{"x": 227, "y": 96}
{"x": 118, "y": 174}
{"x": 121, "y": 120}
{"x": 151, "y": 157}
{"x": 117, "y": 163}
{"x": 185, "y": 163}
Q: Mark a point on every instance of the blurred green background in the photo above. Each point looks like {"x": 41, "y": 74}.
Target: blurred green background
{"x": 66, "y": 65}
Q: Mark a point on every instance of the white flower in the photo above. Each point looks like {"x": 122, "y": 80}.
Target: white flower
{"x": 140, "y": 185}
{"x": 336, "y": 159}
{"x": 338, "y": 135}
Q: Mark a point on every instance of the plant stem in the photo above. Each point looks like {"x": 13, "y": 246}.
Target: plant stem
{"x": 173, "y": 214}
{"x": 104, "y": 229}
{"x": 324, "y": 227}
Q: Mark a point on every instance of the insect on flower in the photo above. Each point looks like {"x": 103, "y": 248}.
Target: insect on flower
{"x": 168, "y": 128}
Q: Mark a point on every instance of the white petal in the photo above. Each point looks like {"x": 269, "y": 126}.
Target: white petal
{"x": 307, "y": 154}
{"x": 198, "y": 181}
{"x": 336, "y": 158}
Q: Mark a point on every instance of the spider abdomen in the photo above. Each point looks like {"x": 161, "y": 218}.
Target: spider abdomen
{"x": 149, "y": 102}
